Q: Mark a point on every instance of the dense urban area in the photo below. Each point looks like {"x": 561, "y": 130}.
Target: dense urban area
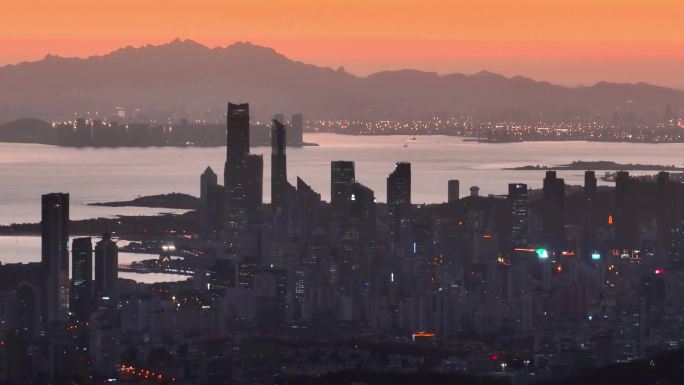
{"x": 544, "y": 285}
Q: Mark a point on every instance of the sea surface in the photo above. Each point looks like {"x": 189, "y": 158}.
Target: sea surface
{"x": 24, "y": 249}
{"x": 114, "y": 174}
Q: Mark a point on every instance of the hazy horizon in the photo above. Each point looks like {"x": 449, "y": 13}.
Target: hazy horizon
{"x": 465, "y": 68}
{"x": 564, "y": 42}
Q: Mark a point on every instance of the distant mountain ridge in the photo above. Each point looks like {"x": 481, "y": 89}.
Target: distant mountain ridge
{"x": 186, "y": 79}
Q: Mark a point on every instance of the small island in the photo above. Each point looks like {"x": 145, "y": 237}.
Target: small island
{"x": 601, "y": 165}
{"x": 166, "y": 201}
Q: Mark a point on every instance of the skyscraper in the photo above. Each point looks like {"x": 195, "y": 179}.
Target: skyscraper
{"x": 588, "y": 219}
{"x": 296, "y": 137}
{"x": 517, "y": 195}
{"x": 278, "y": 166}
{"x": 214, "y": 210}
{"x": 208, "y": 178}
{"x": 667, "y": 211}
{"x": 54, "y": 228}
{"x": 106, "y": 267}
{"x": 342, "y": 174}
{"x": 453, "y": 191}
{"x": 81, "y": 301}
{"x": 235, "y": 173}
{"x": 399, "y": 184}
{"x": 399, "y": 201}
{"x": 243, "y": 172}
{"x": 626, "y": 211}
{"x": 237, "y": 132}
{"x": 554, "y": 211}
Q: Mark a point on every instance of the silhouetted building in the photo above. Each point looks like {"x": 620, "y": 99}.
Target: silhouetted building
{"x": 626, "y": 211}
{"x": 255, "y": 183}
{"x": 517, "y": 196}
{"x": 554, "y": 211}
{"x": 278, "y": 167}
{"x": 106, "y": 267}
{"x": 214, "y": 210}
{"x": 236, "y": 173}
{"x": 399, "y": 201}
{"x": 588, "y": 216}
{"x": 208, "y": 178}
{"x": 296, "y": 137}
{"x": 55, "y": 256}
{"x": 667, "y": 211}
{"x": 81, "y": 300}
{"x": 342, "y": 174}
{"x": 454, "y": 192}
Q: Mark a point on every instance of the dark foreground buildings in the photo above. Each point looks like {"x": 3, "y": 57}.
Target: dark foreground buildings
{"x": 537, "y": 284}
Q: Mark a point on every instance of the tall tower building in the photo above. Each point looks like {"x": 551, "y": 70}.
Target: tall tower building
{"x": 278, "y": 166}
{"x": 626, "y": 211}
{"x": 208, "y": 178}
{"x": 454, "y": 191}
{"x": 54, "y": 228}
{"x": 243, "y": 172}
{"x": 399, "y": 201}
{"x": 667, "y": 211}
{"x": 342, "y": 174}
{"x": 235, "y": 172}
{"x": 588, "y": 218}
{"x": 297, "y": 130}
{"x": 399, "y": 184}
{"x": 81, "y": 301}
{"x": 554, "y": 211}
{"x": 106, "y": 267}
{"x": 517, "y": 195}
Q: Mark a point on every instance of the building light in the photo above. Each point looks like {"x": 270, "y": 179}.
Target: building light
{"x": 542, "y": 253}
{"x": 595, "y": 256}
{"x": 660, "y": 271}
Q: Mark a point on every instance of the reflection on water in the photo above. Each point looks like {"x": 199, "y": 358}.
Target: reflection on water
{"x": 115, "y": 174}
{"x": 24, "y": 249}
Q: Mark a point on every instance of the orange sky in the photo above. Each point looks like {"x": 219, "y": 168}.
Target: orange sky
{"x": 563, "y": 41}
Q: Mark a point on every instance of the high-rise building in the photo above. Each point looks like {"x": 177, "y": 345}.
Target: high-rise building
{"x": 214, "y": 210}
{"x": 243, "y": 175}
{"x": 81, "y": 300}
{"x": 54, "y": 228}
{"x": 296, "y": 137}
{"x": 106, "y": 267}
{"x": 517, "y": 195}
{"x": 254, "y": 183}
{"x": 235, "y": 173}
{"x": 399, "y": 201}
{"x": 626, "y": 211}
{"x": 342, "y": 174}
{"x": 588, "y": 219}
{"x": 667, "y": 211}
{"x": 454, "y": 191}
{"x": 278, "y": 166}
{"x": 399, "y": 184}
{"x": 208, "y": 178}
{"x": 237, "y": 131}
{"x": 554, "y": 211}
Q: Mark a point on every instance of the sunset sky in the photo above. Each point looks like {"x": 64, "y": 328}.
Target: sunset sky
{"x": 562, "y": 41}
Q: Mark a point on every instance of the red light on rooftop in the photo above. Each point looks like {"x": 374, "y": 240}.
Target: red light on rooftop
{"x": 660, "y": 271}
{"x": 494, "y": 357}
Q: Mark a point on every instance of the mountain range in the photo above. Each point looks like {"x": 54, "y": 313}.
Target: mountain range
{"x": 184, "y": 79}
